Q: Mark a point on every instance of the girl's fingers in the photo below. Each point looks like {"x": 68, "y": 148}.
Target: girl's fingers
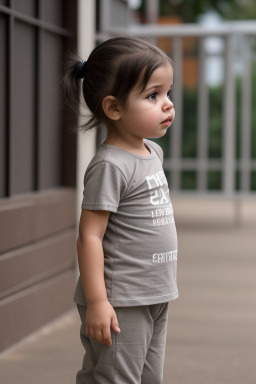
{"x": 98, "y": 335}
{"x": 114, "y": 324}
{"x": 91, "y": 332}
{"x": 106, "y": 335}
{"x": 103, "y": 336}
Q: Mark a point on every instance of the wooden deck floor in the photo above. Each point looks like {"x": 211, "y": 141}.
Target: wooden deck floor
{"x": 211, "y": 334}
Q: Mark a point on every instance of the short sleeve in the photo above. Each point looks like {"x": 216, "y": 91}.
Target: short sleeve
{"x": 104, "y": 186}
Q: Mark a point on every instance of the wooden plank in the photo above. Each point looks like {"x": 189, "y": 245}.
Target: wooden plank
{"x": 28, "y": 310}
{"x": 35, "y": 22}
{"x": 3, "y": 104}
{"x": 49, "y": 109}
{"x": 55, "y": 212}
{"x": 31, "y": 264}
{"x": 22, "y": 124}
{"x": 26, "y": 219}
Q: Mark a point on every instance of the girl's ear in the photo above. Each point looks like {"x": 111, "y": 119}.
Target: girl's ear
{"x": 111, "y": 108}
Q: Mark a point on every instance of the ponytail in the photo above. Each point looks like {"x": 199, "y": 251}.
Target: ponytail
{"x": 74, "y": 73}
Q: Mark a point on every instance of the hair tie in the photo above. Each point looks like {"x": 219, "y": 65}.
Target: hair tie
{"x": 80, "y": 71}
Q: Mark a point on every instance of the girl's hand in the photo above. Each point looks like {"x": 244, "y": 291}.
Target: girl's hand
{"x": 100, "y": 317}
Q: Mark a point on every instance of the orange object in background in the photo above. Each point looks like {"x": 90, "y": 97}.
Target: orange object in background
{"x": 190, "y": 60}
{"x": 190, "y": 72}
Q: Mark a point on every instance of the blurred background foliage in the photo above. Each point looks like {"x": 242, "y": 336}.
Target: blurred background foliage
{"x": 189, "y": 10}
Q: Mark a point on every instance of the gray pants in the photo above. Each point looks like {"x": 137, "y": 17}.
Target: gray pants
{"x": 137, "y": 353}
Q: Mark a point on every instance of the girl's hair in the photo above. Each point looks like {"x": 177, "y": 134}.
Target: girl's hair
{"x": 114, "y": 68}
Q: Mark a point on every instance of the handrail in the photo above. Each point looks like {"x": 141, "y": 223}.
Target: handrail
{"x": 184, "y": 30}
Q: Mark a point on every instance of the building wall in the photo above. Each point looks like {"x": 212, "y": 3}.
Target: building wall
{"x": 37, "y": 166}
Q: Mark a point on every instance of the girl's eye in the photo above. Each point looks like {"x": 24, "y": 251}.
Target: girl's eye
{"x": 169, "y": 94}
{"x": 152, "y": 96}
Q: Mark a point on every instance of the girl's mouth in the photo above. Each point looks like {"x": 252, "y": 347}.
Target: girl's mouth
{"x": 167, "y": 121}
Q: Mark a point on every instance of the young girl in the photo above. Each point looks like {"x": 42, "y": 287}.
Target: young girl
{"x": 127, "y": 244}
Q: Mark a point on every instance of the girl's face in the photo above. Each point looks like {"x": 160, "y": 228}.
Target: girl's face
{"x": 148, "y": 114}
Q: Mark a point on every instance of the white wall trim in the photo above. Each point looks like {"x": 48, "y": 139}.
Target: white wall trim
{"x": 85, "y": 141}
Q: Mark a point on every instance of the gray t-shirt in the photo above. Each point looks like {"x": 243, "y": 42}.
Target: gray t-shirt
{"x": 140, "y": 242}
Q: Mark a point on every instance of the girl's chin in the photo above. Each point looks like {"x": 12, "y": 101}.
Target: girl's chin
{"x": 160, "y": 134}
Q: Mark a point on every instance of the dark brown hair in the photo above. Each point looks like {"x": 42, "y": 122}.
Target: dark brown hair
{"x": 114, "y": 68}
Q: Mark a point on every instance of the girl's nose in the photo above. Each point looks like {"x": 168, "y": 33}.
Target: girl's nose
{"x": 168, "y": 105}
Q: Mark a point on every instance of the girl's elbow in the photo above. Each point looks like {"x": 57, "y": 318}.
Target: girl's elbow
{"x": 79, "y": 243}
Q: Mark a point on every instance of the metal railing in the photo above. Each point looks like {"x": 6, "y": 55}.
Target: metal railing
{"x": 238, "y": 57}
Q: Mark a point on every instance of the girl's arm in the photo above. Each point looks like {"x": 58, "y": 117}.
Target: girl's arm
{"x": 100, "y": 315}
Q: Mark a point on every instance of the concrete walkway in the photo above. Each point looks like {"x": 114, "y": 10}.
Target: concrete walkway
{"x": 212, "y": 326}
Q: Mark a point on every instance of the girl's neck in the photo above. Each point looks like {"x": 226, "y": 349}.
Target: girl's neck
{"x": 136, "y": 146}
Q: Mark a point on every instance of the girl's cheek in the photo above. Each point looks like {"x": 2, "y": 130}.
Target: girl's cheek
{"x": 173, "y": 114}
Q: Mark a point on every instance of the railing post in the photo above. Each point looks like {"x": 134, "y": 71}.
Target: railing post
{"x": 105, "y": 15}
{"x": 228, "y": 156}
{"x": 152, "y": 11}
{"x": 202, "y": 113}
{"x": 246, "y": 115}
{"x": 176, "y": 129}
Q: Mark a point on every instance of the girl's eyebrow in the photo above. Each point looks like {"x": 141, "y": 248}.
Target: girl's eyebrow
{"x": 155, "y": 86}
